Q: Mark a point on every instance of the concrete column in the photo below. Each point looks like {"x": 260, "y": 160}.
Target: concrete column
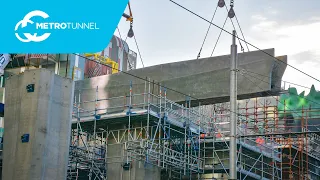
{"x": 116, "y": 157}
{"x": 44, "y": 115}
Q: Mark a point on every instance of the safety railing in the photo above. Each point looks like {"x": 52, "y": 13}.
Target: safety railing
{"x": 174, "y": 111}
{"x": 164, "y": 156}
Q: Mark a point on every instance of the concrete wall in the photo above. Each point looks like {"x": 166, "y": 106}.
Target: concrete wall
{"x": 116, "y": 157}
{"x": 45, "y": 115}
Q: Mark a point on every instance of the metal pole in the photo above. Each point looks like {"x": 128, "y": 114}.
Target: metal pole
{"x": 199, "y": 145}
{"x": 160, "y": 97}
{"x": 164, "y": 127}
{"x": 66, "y": 75}
{"x": 78, "y": 133}
{"x": 144, "y": 93}
{"x": 185, "y": 141}
{"x": 233, "y": 108}
{"x": 148, "y": 119}
{"x": 94, "y": 134}
{"x": 59, "y": 64}
{"x": 129, "y": 119}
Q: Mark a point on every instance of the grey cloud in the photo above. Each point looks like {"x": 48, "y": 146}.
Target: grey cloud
{"x": 265, "y": 36}
{"x": 305, "y": 56}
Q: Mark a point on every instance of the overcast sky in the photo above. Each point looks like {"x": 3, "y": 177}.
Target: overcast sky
{"x": 167, "y": 33}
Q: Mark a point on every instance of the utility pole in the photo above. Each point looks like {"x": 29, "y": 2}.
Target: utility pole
{"x": 233, "y": 110}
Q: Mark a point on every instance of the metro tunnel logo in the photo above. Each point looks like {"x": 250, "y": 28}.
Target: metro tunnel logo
{"x": 28, "y": 37}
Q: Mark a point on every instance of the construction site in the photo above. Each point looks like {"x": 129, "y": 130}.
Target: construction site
{"x": 96, "y": 116}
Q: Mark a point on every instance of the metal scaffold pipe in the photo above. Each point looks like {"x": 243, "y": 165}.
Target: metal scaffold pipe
{"x": 233, "y": 109}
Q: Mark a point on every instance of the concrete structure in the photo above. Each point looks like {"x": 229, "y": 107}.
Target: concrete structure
{"x": 206, "y": 79}
{"x": 117, "y": 123}
{"x": 139, "y": 170}
{"x": 133, "y": 136}
{"x": 43, "y": 113}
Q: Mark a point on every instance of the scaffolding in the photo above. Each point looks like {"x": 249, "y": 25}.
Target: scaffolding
{"x": 158, "y": 131}
{"x": 256, "y": 159}
{"x": 297, "y": 139}
{"x": 301, "y": 158}
{"x": 180, "y": 140}
{"x": 87, "y": 153}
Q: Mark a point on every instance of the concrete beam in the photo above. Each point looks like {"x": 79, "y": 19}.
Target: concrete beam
{"x": 206, "y": 79}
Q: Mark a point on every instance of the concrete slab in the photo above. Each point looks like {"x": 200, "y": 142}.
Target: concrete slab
{"x": 206, "y": 79}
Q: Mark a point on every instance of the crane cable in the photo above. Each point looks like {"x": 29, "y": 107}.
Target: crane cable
{"x": 135, "y": 40}
{"x": 130, "y": 18}
{"x": 259, "y": 49}
{"x": 134, "y": 36}
{"x": 215, "y": 45}
{"x": 205, "y": 37}
{"x": 220, "y": 4}
{"x": 125, "y": 41}
{"x": 242, "y": 33}
{"x": 242, "y": 49}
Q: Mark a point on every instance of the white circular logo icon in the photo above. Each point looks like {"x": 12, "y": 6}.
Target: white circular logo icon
{"x": 24, "y": 22}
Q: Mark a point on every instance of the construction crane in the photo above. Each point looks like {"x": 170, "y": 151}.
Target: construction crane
{"x": 129, "y": 18}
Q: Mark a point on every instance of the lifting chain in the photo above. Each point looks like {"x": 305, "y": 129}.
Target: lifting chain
{"x": 231, "y": 3}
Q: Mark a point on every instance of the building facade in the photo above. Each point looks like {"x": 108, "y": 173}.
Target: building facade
{"x": 119, "y": 52}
